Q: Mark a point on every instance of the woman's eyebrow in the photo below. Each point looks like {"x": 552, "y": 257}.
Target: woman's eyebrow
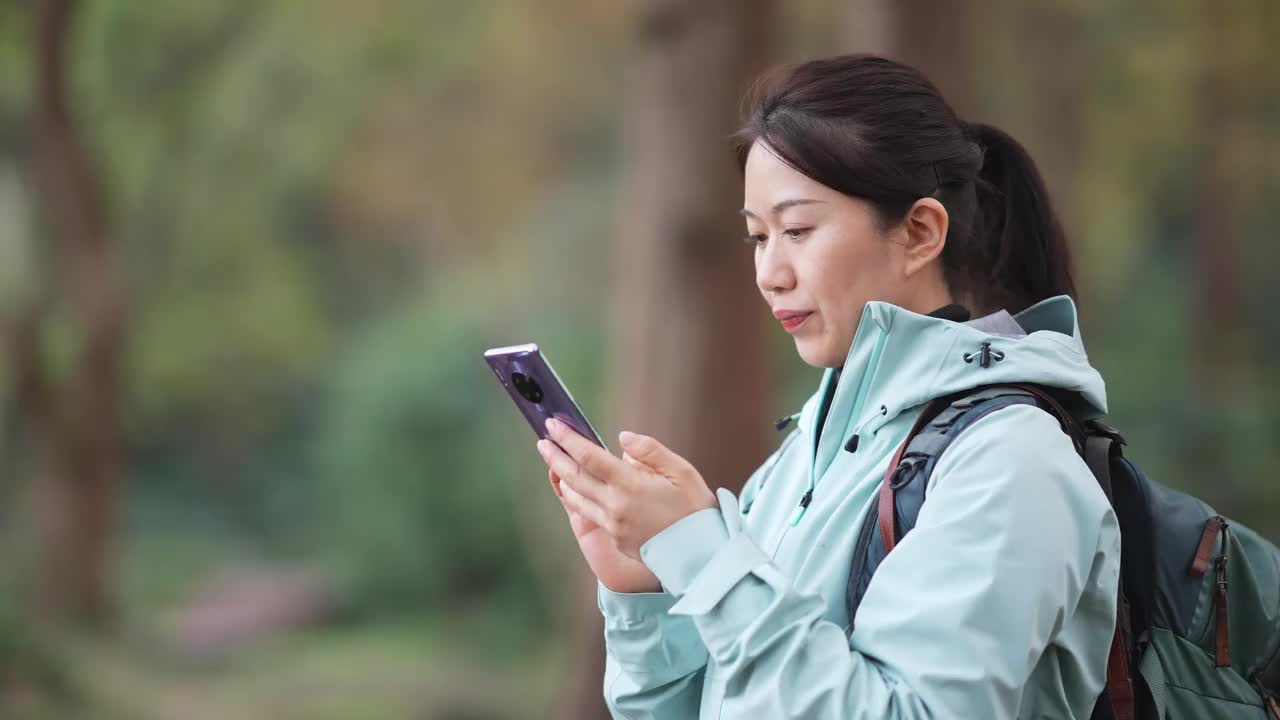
{"x": 783, "y": 205}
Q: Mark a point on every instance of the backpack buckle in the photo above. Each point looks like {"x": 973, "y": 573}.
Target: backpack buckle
{"x": 906, "y": 471}
{"x": 1097, "y": 427}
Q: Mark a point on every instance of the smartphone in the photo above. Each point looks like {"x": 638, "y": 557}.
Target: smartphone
{"x": 537, "y": 391}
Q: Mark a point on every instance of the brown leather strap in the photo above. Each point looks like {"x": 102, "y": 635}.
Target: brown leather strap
{"x": 887, "y": 519}
{"x": 1204, "y": 552}
{"x": 884, "y": 511}
{"x": 1273, "y": 707}
{"x": 1119, "y": 680}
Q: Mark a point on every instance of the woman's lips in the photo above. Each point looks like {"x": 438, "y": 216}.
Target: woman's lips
{"x": 793, "y": 322}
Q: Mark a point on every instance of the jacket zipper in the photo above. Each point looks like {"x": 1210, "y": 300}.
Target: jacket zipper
{"x": 1222, "y": 638}
{"x": 768, "y": 472}
{"x": 864, "y": 387}
{"x": 804, "y": 503}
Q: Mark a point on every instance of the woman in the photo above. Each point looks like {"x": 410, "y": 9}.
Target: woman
{"x": 873, "y": 211}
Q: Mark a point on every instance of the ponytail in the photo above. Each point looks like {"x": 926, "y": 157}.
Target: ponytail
{"x": 1017, "y": 233}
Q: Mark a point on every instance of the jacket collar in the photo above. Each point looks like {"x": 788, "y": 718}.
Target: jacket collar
{"x": 899, "y": 359}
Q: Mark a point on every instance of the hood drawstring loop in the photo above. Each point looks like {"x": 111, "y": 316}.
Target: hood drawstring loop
{"x": 986, "y": 355}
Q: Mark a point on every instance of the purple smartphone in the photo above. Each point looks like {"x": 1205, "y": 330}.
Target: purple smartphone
{"x": 537, "y": 391}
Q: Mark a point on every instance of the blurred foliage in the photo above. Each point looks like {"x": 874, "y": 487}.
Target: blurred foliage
{"x": 326, "y": 211}
{"x": 34, "y": 678}
{"x": 414, "y": 490}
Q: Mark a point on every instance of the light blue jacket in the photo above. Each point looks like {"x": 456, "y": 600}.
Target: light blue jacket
{"x": 1000, "y": 604}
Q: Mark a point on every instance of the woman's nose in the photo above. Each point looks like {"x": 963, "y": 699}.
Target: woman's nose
{"x": 773, "y": 271}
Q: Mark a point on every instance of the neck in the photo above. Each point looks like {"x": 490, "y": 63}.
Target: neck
{"x": 929, "y": 300}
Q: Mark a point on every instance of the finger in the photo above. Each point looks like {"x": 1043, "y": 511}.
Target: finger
{"x": 644, "y": 469}
{"x": 571, "y": 473}
{"x": 577, "y": 522}
{"x": 587, "y": 486}
{"x": 593, "y": 458}
{"x": 653, "y": 454}
{"x": 555, "y": 482}
{"x": 574, "y": 515}
{"x": 556, "y": 459}
{"x": 583, "y": 506}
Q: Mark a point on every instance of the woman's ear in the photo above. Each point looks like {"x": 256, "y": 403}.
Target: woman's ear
{"x": 926, "y": 234}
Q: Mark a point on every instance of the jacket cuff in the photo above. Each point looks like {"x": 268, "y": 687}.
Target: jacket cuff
{"x": 631, "y": 608}
{"x": 677, "y": 554}
{"x": 642, "y": 638}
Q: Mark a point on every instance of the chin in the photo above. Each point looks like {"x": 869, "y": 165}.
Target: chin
{"x": 817, "y": 356}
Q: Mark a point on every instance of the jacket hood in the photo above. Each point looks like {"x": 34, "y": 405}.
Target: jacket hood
{"x": 899, "y": 360}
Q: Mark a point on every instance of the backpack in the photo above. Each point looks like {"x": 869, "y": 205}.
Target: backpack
{"x": 1198, "y": 621}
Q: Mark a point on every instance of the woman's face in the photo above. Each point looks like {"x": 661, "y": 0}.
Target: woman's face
{"x": 817, "y": 251}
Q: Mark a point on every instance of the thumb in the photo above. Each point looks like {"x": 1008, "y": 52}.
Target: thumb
{"x": 652, "y": 453}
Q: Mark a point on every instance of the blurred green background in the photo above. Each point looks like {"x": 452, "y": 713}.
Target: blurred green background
{"x": 251, "y": 462}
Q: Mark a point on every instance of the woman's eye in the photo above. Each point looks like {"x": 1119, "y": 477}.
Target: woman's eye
{"x": 795, "y": 233}
{"x": 755, "y": 239}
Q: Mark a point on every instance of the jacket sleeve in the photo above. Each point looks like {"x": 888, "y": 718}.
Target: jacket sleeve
{"x": 654, "y": 661}
{"x": 957, "y": 615}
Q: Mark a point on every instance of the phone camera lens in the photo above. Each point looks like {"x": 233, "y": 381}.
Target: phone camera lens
{"x": 527, "y": 387}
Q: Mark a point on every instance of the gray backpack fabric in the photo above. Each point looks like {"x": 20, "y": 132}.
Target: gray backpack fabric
{"x": 1198, "y": 631}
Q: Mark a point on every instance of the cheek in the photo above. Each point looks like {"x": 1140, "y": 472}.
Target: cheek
{"x": 857, "y": 270}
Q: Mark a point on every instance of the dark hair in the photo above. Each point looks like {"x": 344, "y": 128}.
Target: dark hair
{"x": 877, "y": 129}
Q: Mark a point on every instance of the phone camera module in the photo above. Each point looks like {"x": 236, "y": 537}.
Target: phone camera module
{"x": 527, "y": 387}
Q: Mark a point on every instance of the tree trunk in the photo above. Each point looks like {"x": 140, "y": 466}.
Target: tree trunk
{"x": 869, "y": 27}
{"x": 1217, "y": 219}
{"x": 1218, "y": 358}
{"x": 690, "y": 360}
{"x": 1052, "y": 38}
{"x": 934, "y": 38}
{"x": 82, "y": 423}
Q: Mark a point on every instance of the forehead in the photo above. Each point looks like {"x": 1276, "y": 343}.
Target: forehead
{"x": 768, "y": 180}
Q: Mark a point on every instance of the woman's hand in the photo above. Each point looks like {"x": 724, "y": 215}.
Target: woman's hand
{"x": 618, "y": 572}
{"x": 631, "y": 499}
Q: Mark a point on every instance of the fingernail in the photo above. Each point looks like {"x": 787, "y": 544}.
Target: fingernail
{"x": 553, "y": 425}
{"x": 627, "y": 438}
{"x": 542, "y": 450}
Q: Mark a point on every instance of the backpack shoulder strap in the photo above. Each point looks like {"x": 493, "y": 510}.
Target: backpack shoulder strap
{"x": 1102, "y": 447}
{"x": 938, "y": 426}
{"x": 906, "y": 480}
{"x": 903, "y": 491}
